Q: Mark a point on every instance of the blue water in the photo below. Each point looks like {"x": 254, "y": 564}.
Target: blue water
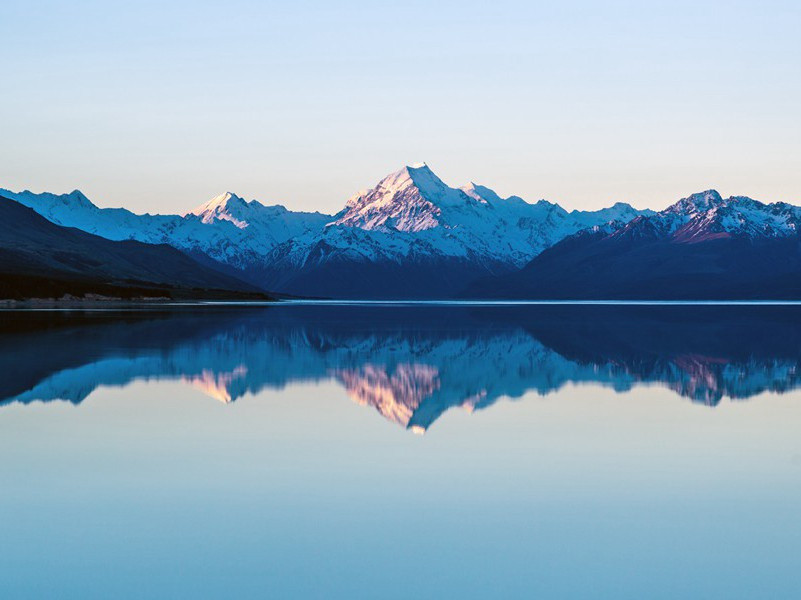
{"x": 364, "y": 451}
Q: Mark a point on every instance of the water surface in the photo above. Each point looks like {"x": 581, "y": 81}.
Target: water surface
{"x": 401, "y": 451}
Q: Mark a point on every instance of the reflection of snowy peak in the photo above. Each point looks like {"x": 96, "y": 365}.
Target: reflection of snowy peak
{"x": 411, "y": 374}
{"x": 396, "y": 394}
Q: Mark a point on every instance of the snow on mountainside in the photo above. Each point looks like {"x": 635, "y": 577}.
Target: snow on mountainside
{"x": 225, "y": 207}
{"x": 412, "y": 214}
{"x": 703, "y": 247}
{"x": 227, "y": 228}
{"x": 413, "y": 236}
{"x": 410, "y": 218}
{"x": 707, "y": 215}
{"x": 407, "y": 200}
{"x": 39, "y": 258}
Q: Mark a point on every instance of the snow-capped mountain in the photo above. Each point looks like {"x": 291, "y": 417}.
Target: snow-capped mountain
{"x": 701, "y": 247}
{"x": 227, "y": 228}
{"x": 414, "y": 236}
{"x": 409, "y": 236}
{"x": 706, "y": 215}
{"x": 473, "y": 219}
{"x": 41, "y": 259}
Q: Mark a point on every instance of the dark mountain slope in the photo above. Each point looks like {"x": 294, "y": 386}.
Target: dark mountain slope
{"x": 41, "y": 259}
{"x": 620, "y": 269}
{"x": 701, "y": 248}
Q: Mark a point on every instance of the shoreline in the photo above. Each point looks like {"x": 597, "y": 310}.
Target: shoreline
{"x": 98, "y": 302}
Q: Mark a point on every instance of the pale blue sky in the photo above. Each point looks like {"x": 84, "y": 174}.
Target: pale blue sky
{"x": 159, "y": 106}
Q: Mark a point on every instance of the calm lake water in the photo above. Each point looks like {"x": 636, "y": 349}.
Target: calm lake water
{"x": 401, "y": 451}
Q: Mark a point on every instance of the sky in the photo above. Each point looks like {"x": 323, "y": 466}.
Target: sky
{"x": 159, "y": 106}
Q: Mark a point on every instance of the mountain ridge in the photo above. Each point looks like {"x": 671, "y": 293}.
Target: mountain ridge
{"x": 413, "y": 236}
{"x": 410, "y": 235}
{"x": 41, "y": 259}
{"x": 702, "y": 247}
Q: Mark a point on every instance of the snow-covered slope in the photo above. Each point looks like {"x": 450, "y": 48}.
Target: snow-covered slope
{"x": 467, "y": 221}
{"x": 412, "y": 235}
{"x": 707, "y": 215}
{"x": 40, "y": 259}
{"x": 703, "y": 247}
{"x": 410, "y": 228}
{"x": 227, "y": 228}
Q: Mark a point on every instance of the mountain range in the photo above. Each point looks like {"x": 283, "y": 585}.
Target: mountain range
{"x": 702, "y": 247}
{"x": 413, "y": 236}
{"x": 41, "y": 259}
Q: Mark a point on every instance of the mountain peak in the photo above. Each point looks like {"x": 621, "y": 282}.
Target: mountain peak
{"x": 222, "y": 200}
{"x": 695, "y": 203}
{"x": 220, "y": 208}
{"x": 418, "y": 175}
{"x": 481, "y": 193}
{"x": 45, "y": 202}
{"x": 406, "y": 200}
{"x": 77, "y": 198}
{"x": 78, "y": 195}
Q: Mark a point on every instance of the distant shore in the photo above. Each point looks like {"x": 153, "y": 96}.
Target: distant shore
{"x": 92, "y": 300}
{"x": 99, "y": 301}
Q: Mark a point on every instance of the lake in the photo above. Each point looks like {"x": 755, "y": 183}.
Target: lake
{"x": 401, "y": 450}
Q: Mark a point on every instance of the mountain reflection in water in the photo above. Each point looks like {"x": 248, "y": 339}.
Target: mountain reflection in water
{"x": 409, "y": 362}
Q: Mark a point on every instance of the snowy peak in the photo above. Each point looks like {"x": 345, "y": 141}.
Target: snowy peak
{"x": 620, "y": 211}
{"x": 743, "y": 217}
{"x": 418, "y": 175}
{"x": 412, "y": 220}
{"x": 78, "y": 198}
{"x": 407, "y": 200}
{"x": 75, "y": 200}
{"x": 429, "y": 184}
{"x": 669, "y": 221}
{"x": 707, "y": 216}
{"x": 225, "y": 207}
{"x": 218, "y": 202}
{"x": 479, "y": 192}
{"x": 485, "y": 195}
{"x": 696, "y": 203}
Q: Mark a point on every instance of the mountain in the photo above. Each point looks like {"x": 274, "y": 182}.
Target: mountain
{"x": 226, "y": 229}
{"x": 701, "y": 247}
{"x": 410, "y": 236}
{"x": 41, "y": 259}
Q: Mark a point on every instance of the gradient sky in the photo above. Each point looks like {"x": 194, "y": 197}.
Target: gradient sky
{"x": 159, "y": 107}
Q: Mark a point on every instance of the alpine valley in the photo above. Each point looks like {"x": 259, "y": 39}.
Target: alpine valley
{"x": 411, "y": 236}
